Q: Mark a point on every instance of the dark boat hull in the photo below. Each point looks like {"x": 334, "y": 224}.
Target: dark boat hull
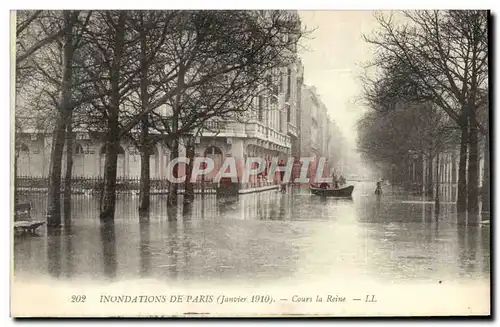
{"x": 345, "y": 192}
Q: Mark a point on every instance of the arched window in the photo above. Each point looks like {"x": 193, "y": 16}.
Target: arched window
{"x": 78, "y": 149}
{"x": 102, "y": 152}
{"x": 214, "y": 153}
{"x": 24, "y": 160}
{"x": 213, "y": 150}
{"x": 153, "y": 151}
{"x": 23, "y": 148}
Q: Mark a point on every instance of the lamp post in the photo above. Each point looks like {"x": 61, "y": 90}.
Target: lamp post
{"x": 412, "y": 156}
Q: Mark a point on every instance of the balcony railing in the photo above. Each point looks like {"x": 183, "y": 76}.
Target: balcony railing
{"x": 252, "y": 129}
{"x": 257, "y": 130}
{"x": 215, "y": 126}
{"x": 292, "y": 129}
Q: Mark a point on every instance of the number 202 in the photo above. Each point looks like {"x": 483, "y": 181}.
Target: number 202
{"x": 78, "y": 298}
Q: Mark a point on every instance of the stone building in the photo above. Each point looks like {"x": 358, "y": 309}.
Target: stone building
{"x": 34, "y": 149}
{"x": 317, "y": 129}
{"x": 268, "y": 133}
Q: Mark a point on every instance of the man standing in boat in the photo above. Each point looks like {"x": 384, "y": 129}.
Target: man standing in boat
{"x": 378, "y": 190}
{"x": 281, "y": 164}
{"x": 335, "y": 184}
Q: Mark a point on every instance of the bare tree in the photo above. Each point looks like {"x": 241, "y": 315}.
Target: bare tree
{"x": 135, "y": 67}
{"x": 218, "y": 72}
{"x": 59, "y": 24}
{"x": 35, "y": 29}
{"x": 407, "y": 131}
{"x": 441, "y": 56}
{"x": 107, "y": 51}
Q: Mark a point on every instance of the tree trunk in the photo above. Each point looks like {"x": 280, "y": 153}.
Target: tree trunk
{"x": 54, "y": 191}
{"x": 473, "y": 167}
{"x": 486, "y": 175}
{"x": 145, "y": 147}
{"x": 174, "y": 154}
{"x": 69, "y": 169}
{"x": 462, "y": 166}
{"x": 430, "y": 183}
{"x": 145, "y": 184}
{"x": 189, "y": 187}
{"x": 108, "y": 199}
{"x": 173, "y": 187}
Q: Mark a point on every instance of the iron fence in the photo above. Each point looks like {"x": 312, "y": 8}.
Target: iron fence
{"x": 94, "y": 185}
{"x": 89, "y": 185}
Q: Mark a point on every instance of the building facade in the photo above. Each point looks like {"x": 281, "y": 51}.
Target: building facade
{"x": 270, "y": 133}
{"x": 317, "y": 130}
{"x": 34, "y": 150}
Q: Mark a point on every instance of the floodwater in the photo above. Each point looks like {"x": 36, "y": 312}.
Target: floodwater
{"x": 265, "y": 236}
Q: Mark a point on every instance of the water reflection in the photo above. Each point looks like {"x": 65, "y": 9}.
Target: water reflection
{"x": 265, "y": 235}
{"x": 108, "y": 241}
{"x": 172, "y": 212}
{"x": 144, "y": 247}
{"x": 468, "y": 247}
{"x": 69, "y": 251}
{"x": 54, "y": 253}
{"x": 172, "y": 248}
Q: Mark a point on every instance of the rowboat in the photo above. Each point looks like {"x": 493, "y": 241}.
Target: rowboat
{"x": 344, "y": 192}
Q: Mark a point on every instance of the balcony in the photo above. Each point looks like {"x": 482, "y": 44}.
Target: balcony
{"x": 292, "y": 130}
{"x": 264, "y": 133}
{"x": 223, "y": 129}
{"x": 252, "y": 129}
{"x": 215, "y": 126}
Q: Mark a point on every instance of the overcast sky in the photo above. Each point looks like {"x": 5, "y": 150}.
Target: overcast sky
{"x": 332, "y": 61}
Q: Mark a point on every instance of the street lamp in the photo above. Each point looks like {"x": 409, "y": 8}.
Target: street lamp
{"x": 413, "y": 156}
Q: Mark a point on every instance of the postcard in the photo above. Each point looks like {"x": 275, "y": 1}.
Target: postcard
{"x": 250, "y": 163}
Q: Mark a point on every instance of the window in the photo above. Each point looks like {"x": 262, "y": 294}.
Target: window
{"x": 280, "y": 82}
{"x": 23, "y": 148}
{"x": 288, "y": 83}
{"x": 269, "y": 80}
{"x": 103, "y": 150}
{"x": 314, "y": 134}
{"x": 261, "y": 108}
{"x": 213, "y": 150}
{"x": 275, "y": 90}
{"x": 274, "y": 99}
{"x": 288, "y": 113}
{"x": 314, "y": 112}
{"x": 78, "y": 149}
{"x": 153, "y": 151}
{"x": 280, "y": 121}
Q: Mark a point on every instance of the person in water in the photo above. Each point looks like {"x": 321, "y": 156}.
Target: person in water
{"x": 378, "y": 190}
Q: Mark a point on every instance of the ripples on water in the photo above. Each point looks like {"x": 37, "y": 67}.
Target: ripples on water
{"x": 263, "y": 236}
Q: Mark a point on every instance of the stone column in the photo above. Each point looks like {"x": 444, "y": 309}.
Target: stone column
{"x": 238, "y": 152}
{"x": 47, "y": 146}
